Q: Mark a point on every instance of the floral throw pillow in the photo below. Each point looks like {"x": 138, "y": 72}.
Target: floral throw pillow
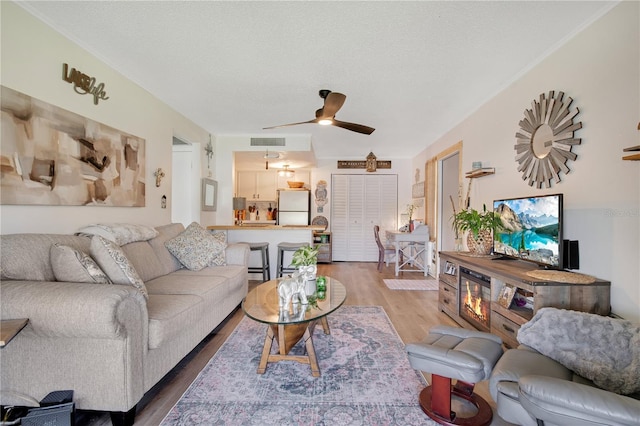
{"x": 74, "y": 266}
{"x": 114, "y": 262}
{"x": 196, "y": 248}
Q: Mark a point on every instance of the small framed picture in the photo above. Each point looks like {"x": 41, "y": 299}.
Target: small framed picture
{"x": 506, "y": 296}
{"x": 209, "y": 194}
{"x": 449, "y": 268}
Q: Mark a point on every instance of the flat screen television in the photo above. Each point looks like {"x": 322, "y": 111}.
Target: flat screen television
{"x": 533, "y": 229}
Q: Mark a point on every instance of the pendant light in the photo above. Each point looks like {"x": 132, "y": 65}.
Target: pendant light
{"x": 267, "y": 156}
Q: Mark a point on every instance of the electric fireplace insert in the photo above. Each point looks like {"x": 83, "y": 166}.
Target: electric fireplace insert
{"x": 475, "y": 298}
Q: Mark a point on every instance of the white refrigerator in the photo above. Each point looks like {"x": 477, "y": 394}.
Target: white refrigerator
{"x": 293, "y": 207}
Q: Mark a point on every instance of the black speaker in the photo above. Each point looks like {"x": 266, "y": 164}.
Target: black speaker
{"x": 570, "y": 254}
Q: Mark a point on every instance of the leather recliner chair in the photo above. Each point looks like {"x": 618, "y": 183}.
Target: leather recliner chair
{"x": 532, "y": 389}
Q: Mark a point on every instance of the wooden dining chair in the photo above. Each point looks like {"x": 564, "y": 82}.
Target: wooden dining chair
{"x": 385, "y": 253}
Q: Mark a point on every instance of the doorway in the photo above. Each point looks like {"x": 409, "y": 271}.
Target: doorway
{"x": 449, "y": 198}
{"x": 185, "y": 182}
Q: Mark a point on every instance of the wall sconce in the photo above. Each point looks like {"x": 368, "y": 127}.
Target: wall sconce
{"x": 159, "y": 174}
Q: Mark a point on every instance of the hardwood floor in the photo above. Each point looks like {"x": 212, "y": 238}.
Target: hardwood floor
{"x": 412, "y": 313}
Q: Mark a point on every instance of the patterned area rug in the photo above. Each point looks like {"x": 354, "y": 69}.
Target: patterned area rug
{"x": 365, "y": 379}
{"x": 431, "y": 284}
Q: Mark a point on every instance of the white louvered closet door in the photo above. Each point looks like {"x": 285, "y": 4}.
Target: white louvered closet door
{"x": 360, "y": 202}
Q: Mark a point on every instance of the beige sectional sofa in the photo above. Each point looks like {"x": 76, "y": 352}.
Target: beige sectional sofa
{"x": 109, "y": 343}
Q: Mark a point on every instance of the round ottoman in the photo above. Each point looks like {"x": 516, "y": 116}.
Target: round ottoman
{"x": 455, "y": 353}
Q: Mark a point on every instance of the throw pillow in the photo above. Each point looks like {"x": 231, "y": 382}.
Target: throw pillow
{"x": 74, "y": 266}
{"x": 219, "y": 257}
{"x": 114, "y": 262}
{"x": 602, "y": 349}
{"x": 195, "y": 248}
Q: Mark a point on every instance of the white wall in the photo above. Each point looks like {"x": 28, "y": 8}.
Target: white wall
{"x": 32, "y": 58}
{"x": 599, "y": 68}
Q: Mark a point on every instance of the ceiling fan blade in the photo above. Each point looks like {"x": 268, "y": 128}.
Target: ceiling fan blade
{"x": 332, "y": 103}
{"x": 291, "y": 124}
{"x": 360, "y": 128}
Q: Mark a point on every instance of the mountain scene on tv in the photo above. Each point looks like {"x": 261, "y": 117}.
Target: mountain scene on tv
{"x": 531, "y": 229}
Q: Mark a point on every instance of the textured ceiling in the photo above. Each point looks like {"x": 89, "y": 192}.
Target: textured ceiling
{"x": 412, "y": 70}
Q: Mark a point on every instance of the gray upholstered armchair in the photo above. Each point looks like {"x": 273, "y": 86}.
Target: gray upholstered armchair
{"x": 571, "y": 368}
{"x": 561, "y": 402}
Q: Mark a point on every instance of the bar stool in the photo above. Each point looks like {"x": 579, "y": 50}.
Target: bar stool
{"x": 265, "y": 267}
{"x": 282, "y": 247}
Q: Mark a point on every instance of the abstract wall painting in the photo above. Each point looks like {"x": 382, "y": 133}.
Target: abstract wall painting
{"x": 51, "y": 156}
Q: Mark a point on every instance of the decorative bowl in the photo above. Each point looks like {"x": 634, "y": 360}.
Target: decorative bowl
{"x": 295, "y": 184}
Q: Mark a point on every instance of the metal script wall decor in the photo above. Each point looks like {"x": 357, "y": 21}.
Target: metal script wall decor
{"x": 84, "y": 84}
{"x": 51, "y": 156}
{"x": 371, "y": 164}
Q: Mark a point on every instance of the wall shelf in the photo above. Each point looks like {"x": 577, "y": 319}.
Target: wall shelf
{"x": 322, "y": 240}
{"x": 632, "y": 157}
{"x": 485, "y": 171}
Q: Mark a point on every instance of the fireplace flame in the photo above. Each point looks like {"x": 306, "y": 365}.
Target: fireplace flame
{"x": 474, "y": 304}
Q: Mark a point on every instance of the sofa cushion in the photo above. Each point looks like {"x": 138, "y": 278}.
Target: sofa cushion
{"x": 171, "y": 314}
{"x": 228, "y": 271}
{"x": 27, "y": 256}
{"x": 75, "y": 266}
{"x": 114, "y": 262}
{"x": 144, "y": 260}
{"x": 169, "y": 262}
{"x": 177, "y": 283}
{"x": 195, "y": 248}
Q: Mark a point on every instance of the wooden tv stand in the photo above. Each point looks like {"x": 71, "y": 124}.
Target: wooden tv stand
{"x": 506, "y": 321}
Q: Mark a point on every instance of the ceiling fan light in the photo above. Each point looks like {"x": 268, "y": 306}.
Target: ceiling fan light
{"x": 325, "y": 121}
{"x": 286, "y": 172}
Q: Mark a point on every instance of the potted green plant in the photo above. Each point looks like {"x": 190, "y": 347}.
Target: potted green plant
{"x": 480, "y": 225}
{"x": 305, "y": 256}
{"x": 306, "y": 260}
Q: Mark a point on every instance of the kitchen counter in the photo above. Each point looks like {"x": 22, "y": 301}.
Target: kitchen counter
{"x": 272, "y": 234}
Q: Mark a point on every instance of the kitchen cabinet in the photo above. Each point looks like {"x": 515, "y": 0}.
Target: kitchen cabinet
{"x": 358, "y": 203}
{"x": 256, "y": 185}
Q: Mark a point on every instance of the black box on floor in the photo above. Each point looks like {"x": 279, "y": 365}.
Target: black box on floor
{"x": 56, "y": 409}
{"x": 57, "y": 397}
{"x": 54, "y": 415}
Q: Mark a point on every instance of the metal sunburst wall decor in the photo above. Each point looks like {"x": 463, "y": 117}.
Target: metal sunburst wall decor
{"x": 545, "y": 139}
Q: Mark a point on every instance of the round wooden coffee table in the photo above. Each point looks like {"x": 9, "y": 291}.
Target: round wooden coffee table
{"x": 293, "y": 324}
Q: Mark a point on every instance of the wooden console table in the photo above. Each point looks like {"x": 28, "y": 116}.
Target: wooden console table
{"x": 593, "y": 297}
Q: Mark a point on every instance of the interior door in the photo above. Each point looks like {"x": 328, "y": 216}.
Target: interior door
{"x": 355, "y": 232}
{"x": 359, "y": 202}
{"x": 449, "y": 188}
{"x": 185, "y": 184}
{"x": 339, "y": 216}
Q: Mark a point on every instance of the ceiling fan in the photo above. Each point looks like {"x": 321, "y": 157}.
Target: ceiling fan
{"x": 333, "y": 101}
